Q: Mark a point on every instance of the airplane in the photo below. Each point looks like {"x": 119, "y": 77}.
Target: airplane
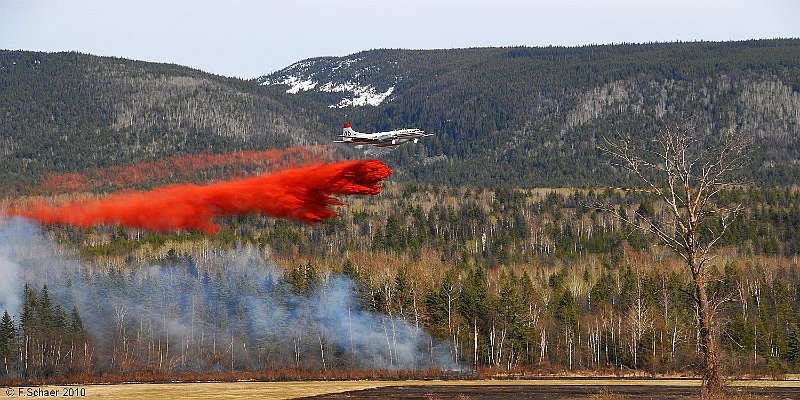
{"x": 380, "y": 139}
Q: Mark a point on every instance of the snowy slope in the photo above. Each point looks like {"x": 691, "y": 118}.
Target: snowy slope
{"x": 341, "y": 82}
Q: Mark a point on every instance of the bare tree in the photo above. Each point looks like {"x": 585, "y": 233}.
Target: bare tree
{"x": 687, "y": 174}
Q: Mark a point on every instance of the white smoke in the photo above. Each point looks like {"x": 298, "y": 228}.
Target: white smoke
{"x": 10, "y": 281}
{"x": 21, "y": 248}
{"x": 236, "y": 303}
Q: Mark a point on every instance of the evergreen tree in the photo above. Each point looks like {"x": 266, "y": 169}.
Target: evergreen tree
{"x": 7, "y": 338}
{"x": 473, "y": 304}
{"x": 45, "y": 312}
{"x": 76, "y": 322}
{"x": 402, "y": 291}
{"x": 28, "y": 320}
{"x": 567, "y": 311}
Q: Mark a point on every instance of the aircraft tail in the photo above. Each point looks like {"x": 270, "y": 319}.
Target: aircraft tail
{"x": 347, "y": 131}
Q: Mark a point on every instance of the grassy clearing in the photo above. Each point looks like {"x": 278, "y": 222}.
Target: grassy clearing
{"x": 226, "y": 390}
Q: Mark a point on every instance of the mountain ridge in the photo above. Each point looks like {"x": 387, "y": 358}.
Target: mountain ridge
{"x": 512, "y": 116}
{"x": 537, "y": 113}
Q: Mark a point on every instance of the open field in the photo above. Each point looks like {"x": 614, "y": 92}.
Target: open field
{"x": 561, "y": 389}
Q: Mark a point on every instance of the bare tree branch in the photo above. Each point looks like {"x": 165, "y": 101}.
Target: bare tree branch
{"x": 687, "y": 175}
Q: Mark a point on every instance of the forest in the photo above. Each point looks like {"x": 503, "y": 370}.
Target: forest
{"x": 421, "y": 277}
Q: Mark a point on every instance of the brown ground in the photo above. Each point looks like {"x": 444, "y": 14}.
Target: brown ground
{"x": 596, "y": 392}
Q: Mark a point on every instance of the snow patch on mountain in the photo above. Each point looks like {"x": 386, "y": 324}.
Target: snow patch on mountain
{"x": 321, "y": 75}
{"x": 297, "y": 84}
{"x": 362, "y": 95}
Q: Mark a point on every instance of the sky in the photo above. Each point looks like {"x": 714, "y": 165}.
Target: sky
{"x": 249, "y": 38}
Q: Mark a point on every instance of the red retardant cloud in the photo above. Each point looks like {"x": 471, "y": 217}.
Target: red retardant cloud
{"x": 186, "y": 168}
{"x": 303, "y": 194}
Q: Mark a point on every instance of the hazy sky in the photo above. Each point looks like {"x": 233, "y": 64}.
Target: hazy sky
{"x": 249, "y": 38}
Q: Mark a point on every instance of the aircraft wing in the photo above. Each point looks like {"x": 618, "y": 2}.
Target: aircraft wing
{"x": 387, "y": 136}
{"x": 386, "y": 144}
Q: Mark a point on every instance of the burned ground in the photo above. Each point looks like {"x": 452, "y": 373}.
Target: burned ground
{"x": 554, "y": 392}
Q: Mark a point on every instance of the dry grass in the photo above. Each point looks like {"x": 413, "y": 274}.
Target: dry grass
{"x": 227, "y": 390}
{"x": 743, "y": 394}
{"x": 608, "y": 396}
{"x": 290, "y": 390}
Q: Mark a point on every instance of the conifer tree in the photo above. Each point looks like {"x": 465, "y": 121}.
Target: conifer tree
{"x": 473, "y": 303}
{"x": 76, "y": 322}
{"x": 7, "y": 336}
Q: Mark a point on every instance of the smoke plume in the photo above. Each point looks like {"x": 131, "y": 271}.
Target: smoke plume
{"x": 303, "y": 194}
{"x": 231, "y": 311}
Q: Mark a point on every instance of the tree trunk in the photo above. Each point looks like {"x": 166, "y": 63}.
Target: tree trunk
{"x": 322, "y": 353}
{"x": 712, "y": 386}
{"x": 475, "y": 350}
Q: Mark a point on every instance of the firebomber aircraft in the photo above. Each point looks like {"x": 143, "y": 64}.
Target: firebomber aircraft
{"x": 380, "y": 139}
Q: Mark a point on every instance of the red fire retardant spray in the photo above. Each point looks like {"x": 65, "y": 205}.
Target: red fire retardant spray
{"x": 304, "y": 194}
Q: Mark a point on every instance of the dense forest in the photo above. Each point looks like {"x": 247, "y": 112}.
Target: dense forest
{"x": 512, "y": 281}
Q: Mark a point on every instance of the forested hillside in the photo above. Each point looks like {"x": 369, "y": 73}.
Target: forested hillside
{"x": 535, "y": 115}
{"x": 63, "y": 112}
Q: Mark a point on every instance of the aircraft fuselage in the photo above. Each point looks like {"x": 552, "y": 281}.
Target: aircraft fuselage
{"x": 380, "y": 139}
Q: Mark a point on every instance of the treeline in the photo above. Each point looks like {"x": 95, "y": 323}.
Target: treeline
{"x": 508, "y": 227}
{"x": 634, "y": 316}
{"x": 509, "y": 280}
{"x": 239, "y": 314}
{"x": 46, "y": 340}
